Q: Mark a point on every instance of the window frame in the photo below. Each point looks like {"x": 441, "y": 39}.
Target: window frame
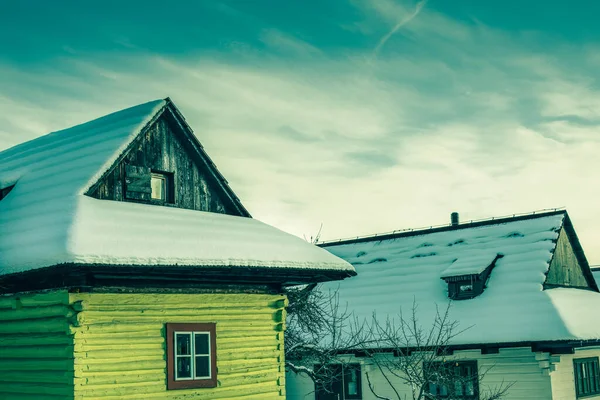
{"x": 341, "y": 380}
{"x": 345, "y": 370}
{"x": 168, "y": 179}
{"x": 163, "y": 179}
{"x": 458, "y": 364}
{"x": 174, "y": 382}
{"x": 585, "y": 362}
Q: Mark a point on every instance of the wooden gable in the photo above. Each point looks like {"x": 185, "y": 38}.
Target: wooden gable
{"x": 168, "y": 147}
{"x": 567, "y": 268}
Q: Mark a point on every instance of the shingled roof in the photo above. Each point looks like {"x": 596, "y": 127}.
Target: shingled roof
{"x": 46, "y": 219}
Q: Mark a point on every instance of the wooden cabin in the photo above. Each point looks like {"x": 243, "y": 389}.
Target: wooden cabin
{"x": 129, "y": 269}
{"x": 520, "y": 289}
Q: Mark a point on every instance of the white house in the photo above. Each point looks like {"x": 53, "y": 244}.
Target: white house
{"x": 521, "y": 285}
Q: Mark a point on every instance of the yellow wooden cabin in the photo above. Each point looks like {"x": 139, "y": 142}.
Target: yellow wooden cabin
{"x": 130, "y": 270}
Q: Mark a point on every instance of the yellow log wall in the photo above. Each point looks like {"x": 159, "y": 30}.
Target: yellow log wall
{"x": 120, "y": 353}
{"x": 36, "y": 346}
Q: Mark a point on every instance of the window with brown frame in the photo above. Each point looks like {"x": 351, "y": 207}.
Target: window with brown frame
{"x": 191, "y": 355}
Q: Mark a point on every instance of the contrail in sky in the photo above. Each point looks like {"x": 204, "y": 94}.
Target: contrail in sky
{"x": 399, "y": 25}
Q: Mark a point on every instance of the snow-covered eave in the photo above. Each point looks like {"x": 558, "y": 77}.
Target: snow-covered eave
{"x": 122, "y": 150}
{"x": 79, "y": 275}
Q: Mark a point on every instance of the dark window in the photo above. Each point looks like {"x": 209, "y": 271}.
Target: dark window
{"x": 191, "y": 356}
{"x": 456, "y": 379}
{"x": 464, "y": 287}
{"x": 587, "y": 382}
{"x": 344, "y": 383}
{"x": 4, "y": 192}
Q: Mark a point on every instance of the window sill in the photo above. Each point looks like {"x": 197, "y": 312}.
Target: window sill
{"x": 192, "y": 384}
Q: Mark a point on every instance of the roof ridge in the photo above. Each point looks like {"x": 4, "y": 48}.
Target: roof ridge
{"x": 446, "y": 227}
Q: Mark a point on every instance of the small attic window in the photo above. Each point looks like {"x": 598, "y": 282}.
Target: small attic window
{"x": 465, "y": 287}
{"x": 467, "y": 278}
{"x": 158, "y": 182}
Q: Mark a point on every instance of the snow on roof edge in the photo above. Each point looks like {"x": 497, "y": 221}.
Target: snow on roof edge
{"x": 444, "y": 227}
{"x": 160, "y": 106}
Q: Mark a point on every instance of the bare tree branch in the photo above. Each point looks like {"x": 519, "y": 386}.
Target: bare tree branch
{"x": 320, "y": 329}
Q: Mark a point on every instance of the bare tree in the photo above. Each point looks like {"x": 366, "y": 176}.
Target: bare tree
{"x": 317, "y": 332}
{"x": 404, "y": 353}
{"x": 419, "y": 360}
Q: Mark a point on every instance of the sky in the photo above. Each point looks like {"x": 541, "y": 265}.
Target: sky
{"x": 363, "y": 116}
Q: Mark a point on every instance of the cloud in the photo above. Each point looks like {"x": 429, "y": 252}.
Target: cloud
{"x": 370, "y": 161}
{"x": 403, "y": 21}
{"x": 287, "y": 44}
{"x": 459, "y": 117}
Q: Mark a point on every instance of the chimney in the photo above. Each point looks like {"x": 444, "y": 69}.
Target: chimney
{"x": 454, "y": 219}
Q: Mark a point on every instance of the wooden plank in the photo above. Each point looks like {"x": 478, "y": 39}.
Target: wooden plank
{"x": 112, "y": 361}
{"x": 137, "y": 172}
{"x": 138, "y": 183}
{"x": 138, "y": 187}
{"x": 163, "y": 147}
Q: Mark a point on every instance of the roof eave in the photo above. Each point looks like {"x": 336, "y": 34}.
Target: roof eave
{"x": 72, "y": 275}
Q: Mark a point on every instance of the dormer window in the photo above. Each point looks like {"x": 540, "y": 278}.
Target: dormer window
{"x": 467, "y": 277}
{"x": 158, "y": 182}
{"x": 464, "y": 287}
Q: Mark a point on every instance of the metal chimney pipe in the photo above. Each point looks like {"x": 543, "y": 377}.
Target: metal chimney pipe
{"x": 454, "y": 219}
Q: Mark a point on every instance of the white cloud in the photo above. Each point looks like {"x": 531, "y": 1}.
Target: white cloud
{"x": 402, "y": 22}
{"x": 278, "y": 40}
{"x": 362, "y": 147}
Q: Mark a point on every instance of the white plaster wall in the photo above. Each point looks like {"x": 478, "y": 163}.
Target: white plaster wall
{"x": 528, "y": 371}
{"x": 563, "y": 378}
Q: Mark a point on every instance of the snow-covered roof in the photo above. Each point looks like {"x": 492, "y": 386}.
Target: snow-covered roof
{"x": 472, "y": 262}
{"x": 397, "y": 271}
{"x": 47, "y": 219}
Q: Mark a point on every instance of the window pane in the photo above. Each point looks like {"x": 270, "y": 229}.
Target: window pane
{"x": 443, "y": 390}
{"x": 202, "y": 341}
{"x": 158, "y": 187}
{"x": 183, "y": 367}
{"x": 458, "y": 388}
{"x": 579, "y": 378}
{"x": 352, "y": 381}
{"x": 586, "y": 376}
{"x": 202, "y": 366}
{"x": 183, "y": 346}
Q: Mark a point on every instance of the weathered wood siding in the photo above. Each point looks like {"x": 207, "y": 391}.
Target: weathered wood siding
{"x": 36, "y": 346}
{"x": 563, "y": 378}
{"x": 160, "y": 149}
{"x": 120, "y": 344}
{"x": 565, "y": 269}
{"x": 529, "y": 371}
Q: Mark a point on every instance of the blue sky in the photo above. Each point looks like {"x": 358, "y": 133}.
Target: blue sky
{"x": 364, "y": 115}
